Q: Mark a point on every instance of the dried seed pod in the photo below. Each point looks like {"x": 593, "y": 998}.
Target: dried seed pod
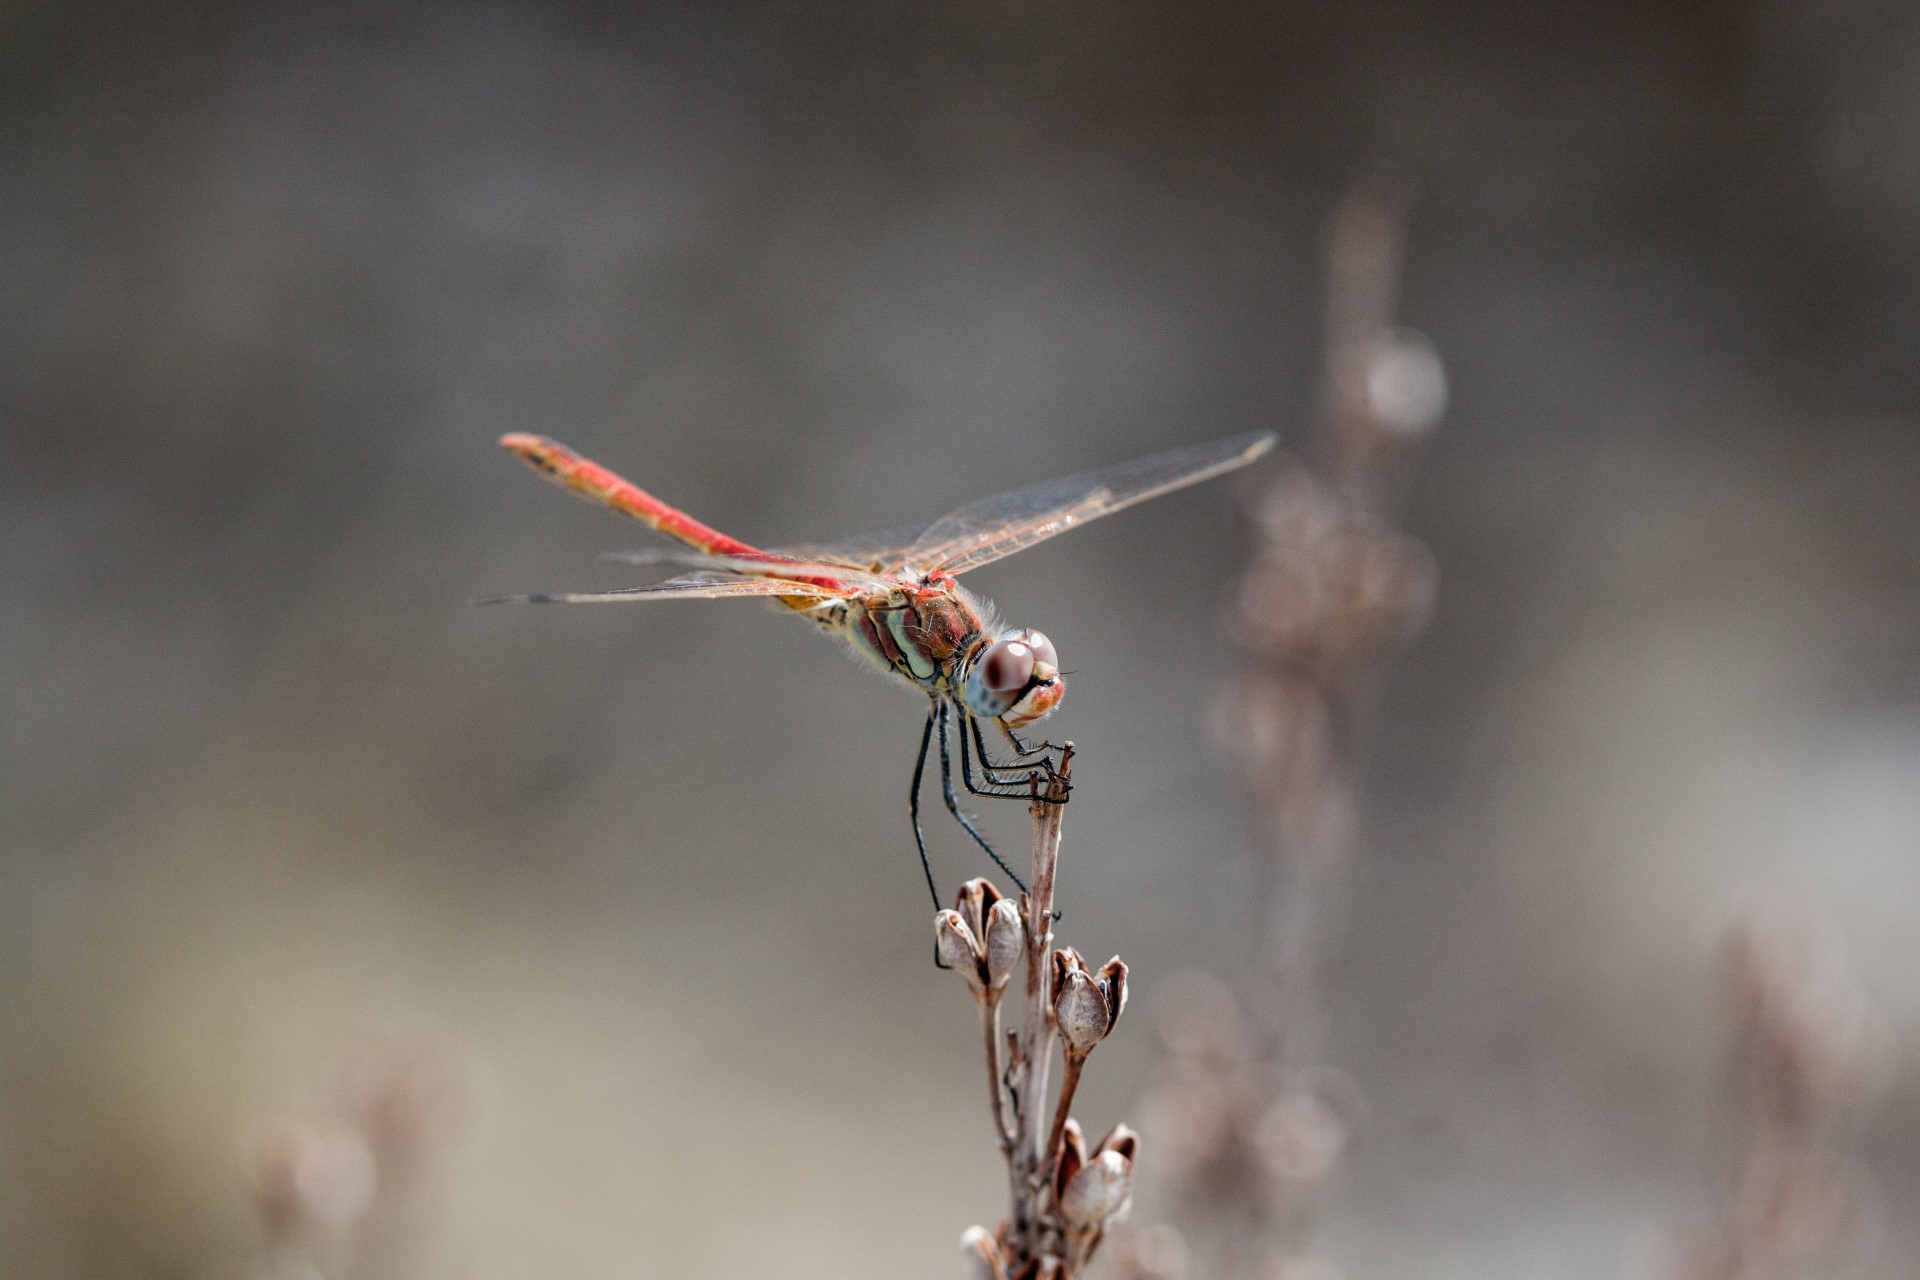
{"x": 958, "y": 947}
{"x": 975, "y": 899}
{"x": 982, "y": 936}
{"x": 1112, "y": 980}
{"x": 1122, "y": 1139}
{"x": 1101, "y": 1189}
{"x": 984, "y": 1258}
{"x": 1005, "y": 941}
{"x": 1069, "y": 1158}
{"x": 1080, "y": 1011}
{"x": 1086, "y": 1005}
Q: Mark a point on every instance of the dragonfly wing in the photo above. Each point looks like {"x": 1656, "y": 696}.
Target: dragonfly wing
{"x": 882, "y": 551}
{"x": 773, "y": 564}
{"x": 688, "y": 586}
{"x": 995, "y": 528}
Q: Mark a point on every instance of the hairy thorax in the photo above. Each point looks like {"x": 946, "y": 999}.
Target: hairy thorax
{"x": 921, "y": 631}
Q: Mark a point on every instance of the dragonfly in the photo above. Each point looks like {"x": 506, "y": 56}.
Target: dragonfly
{"x": 895, "y": 597}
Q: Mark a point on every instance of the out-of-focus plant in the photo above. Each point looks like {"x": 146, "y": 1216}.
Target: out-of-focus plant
{"x": 1802, "y": 1047}
{"x": 353, "y": 1191}
{"x": 1250, "y": 1123}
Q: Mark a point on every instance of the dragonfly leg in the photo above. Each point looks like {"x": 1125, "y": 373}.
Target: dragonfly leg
{"x": 1018, "y": 786}
{"x": 966, "y": 775}
{"x": 1021, "y": 748}
{"x": 919, "y": 836}
{"x": 953, "y": 804}
{"x": 1019, "y": 774}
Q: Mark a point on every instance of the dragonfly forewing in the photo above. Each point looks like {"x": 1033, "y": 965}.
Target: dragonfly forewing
{"x": 690, "y": 586}
{"x": 882, "y": 551}
{"x": 995, "y": 528}
{"x": 773, "y": 564}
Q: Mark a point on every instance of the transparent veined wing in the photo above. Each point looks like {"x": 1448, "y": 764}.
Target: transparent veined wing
{"x": 688, "y": 586}
{"x": 834, "y": 577}
{"x": 881, "y": 551}
{"x": 995, "y": 528}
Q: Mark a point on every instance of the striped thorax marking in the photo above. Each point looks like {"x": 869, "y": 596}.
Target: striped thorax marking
{"x": 921, "y": 632}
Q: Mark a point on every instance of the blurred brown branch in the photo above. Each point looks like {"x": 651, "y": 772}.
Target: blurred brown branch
{"x": 1802, "y": 1048}
{"x": 355, "y": 1191}
{"x": 1254, "y": 1127}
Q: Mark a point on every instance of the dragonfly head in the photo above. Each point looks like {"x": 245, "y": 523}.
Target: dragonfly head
{"x": 1015, "y": 679}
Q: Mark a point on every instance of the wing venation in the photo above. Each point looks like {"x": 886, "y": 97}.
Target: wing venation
{"x": 690, "y": 586}
{"x": 994, "y": 528}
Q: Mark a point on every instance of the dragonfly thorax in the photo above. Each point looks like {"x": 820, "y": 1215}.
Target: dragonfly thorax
{"x": 932, "y": 633}
{"x": 918, "y": 630}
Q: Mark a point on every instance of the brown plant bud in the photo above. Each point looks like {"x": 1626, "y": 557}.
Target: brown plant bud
{"x": 1086, "y": 1006}
{"x": 1072, "y": 1155}
{"x": 958, "y": 947}
{"x": 1122, "y": 1139}
{"x": 1006, "y": 940}
{"x": 1101, "y": 1189}
{"x": 1044, "y": 1267}
{"x": 975, "y": 899}
{"x": 982, "y": 936}
{"x": 984, "y": 1258}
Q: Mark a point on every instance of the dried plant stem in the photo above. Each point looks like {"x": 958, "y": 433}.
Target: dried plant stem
{"x": 1081, "y": 1246}
{"x": 1069, "y": 1085}
{"x": 1027, "y": 1075}
{"x": 1063, "y": 1196}
{"x": 990, "y": 1032}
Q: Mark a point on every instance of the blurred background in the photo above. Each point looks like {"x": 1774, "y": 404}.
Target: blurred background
{"x": 613, "y": 913}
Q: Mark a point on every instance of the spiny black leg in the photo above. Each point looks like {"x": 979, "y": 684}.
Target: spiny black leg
{"x": 1021, "y": 748}
{"x": 966, "y": 773}
{"x": 1023, "y": 773}
{"x": 989, "y": 763}
{"x": 913, "y": 809}
{"x": 953, "y": 805}
{"x": 1017, "y": 788}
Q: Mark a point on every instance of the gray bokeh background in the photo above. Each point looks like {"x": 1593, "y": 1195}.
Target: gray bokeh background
{"x": 273, "y": 279}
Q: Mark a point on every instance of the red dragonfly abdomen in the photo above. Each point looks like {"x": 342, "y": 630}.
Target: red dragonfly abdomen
{"x": 589, "y": 479}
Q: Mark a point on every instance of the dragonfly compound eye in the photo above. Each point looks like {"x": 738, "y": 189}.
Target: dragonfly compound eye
{"x": 1006, "y": 667}
{"x": 1043, "y": 650}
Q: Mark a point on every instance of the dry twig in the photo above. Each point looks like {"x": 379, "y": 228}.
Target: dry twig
{"x": 1063, "y": 1196}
